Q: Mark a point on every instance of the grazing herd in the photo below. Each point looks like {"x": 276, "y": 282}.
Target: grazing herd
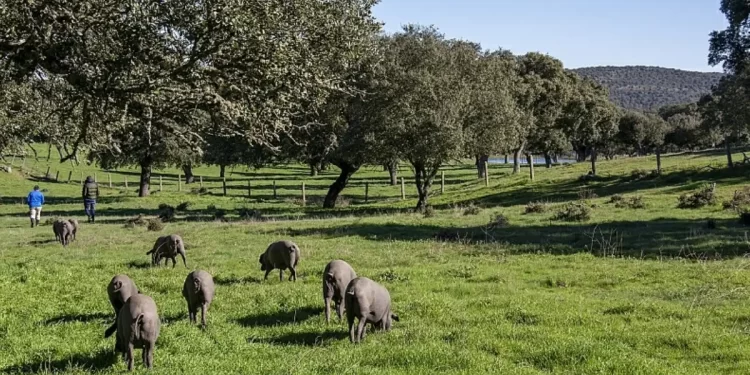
{"x": 137, "y": 323}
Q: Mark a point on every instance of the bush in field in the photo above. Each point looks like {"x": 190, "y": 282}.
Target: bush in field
{"x": 705, "y": 196}
{"x": 740, "y": 201}
{"x": 573, "y": 212}
{"x": 536, "y": 208}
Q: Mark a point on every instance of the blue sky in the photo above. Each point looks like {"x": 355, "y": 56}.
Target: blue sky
{"x": 669, "y": 33}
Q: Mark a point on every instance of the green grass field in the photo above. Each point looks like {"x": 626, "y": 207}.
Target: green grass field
{"x": 631, "y": 291}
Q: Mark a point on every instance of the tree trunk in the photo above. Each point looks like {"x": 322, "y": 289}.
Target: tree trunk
{"x": 658, "y": 160}
{"x": 530, "y": 160}
{"x": 49, "y": 151}
{"x": 480, "y": 160}
{"x": 347, "y": 170}
{"x": 506, "y": 158}
{"x": 548, "y": 160}
{"x": 393, "y": 172}
{"x": 517, "y": 158}
{"x": 581, "y": 153}
{"x": 728, "y": 147}
{"x": 423, "y": 179}
{"x": 593, "y": 161}
{"x": 145, "y": 183}
{"x": 188, "y": 170}
{"x": 222, "y": 170}
{"x": 555, "y": 159}
{"x": 313, "y": 169}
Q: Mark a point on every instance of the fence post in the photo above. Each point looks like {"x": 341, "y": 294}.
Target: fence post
{"x": 304, "y": 198}
{"x": 81, "y": 178}
{"x": 23, "y": 163}
{"x": 57, "y": 176}
{"x": 486, "y": 174}
{"x": 403, "y": 189}
{"x": 442, "y": 182}
{"x": 274, "y": 189}
{"x": 13, "y": 160}
{"x": 201, "y": 180}
{"x": 179, "y": 182}
{"x": 531, "y": 166}
{"x": 70, "y": 176}
{"x": 224, "y": 185}
{"x": 367, "y": 191}
{"x": 109, "y": 177}
{"x": 96, "y": 179}
{"x": 46, "y": 175}
{"x": 249, "y": 189}
{"x": 126, "y": 182}
{"x": 161, "y": 183}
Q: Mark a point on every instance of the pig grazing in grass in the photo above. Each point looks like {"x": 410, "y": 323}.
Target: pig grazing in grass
{"x": 280, "y": 255}
{"x": 138, "y": 327}
{"x": 336, "y": 278}
{"x": 369, "y": 302}
{"x": 198, "y": 291}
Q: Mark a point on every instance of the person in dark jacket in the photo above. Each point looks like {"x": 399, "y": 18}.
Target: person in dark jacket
{"x": 35, "y": 199}
{"x": 90, "y": 194}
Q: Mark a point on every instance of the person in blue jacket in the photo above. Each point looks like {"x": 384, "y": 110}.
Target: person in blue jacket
{"x": 35, "y": 200}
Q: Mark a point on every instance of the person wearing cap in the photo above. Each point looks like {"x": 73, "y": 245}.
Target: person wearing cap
{"x": 35, "y": 200}
{"x": 90, "y": 194}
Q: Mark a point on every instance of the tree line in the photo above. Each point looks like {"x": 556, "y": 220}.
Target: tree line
{"x": 185, "y": 82}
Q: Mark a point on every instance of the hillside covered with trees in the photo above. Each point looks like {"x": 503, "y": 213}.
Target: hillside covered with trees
{"x": 647, "y": 87}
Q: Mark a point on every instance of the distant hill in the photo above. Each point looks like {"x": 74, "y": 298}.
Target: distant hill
{"x": 647, "y": 87}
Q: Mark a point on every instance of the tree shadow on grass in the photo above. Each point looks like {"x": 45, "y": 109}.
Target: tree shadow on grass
{"x": 100, "y": 360}
{"x": 311, "y": 338}
{"x": 280, "y": 318}
{"x": 233, "y": 280}
{"x": 84, "y": 318}
{"x": 644, "y": 239}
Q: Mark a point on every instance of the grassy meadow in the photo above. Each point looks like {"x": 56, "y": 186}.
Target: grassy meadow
{"x": 652, "y": 290}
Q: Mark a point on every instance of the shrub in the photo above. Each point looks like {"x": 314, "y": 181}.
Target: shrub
{"x": 167, "y": 213}
{"x": 536, "y": 208}
{"x": 471, "y": 210}
{"x": 183, "y": 206}
{"x": 199, "y": 191}
{"x": 703, "y": 197}
{"x": 635, "y": 202}
{"x": 586, "y": 194}
{"x": 573, "y": 212}
{"x": 139, "y": 220}
{"x": 642, "y": 174}
{"x": 429, "y": 212}
{"x": 739, "y": 201}
{"x": 617, "y": 198}
{"x": 211, "y": 207}
{"x": 499, "y": 221}
{"x": 220, "y": 214}
{"x": 250, "y": 214}
{"x": 155, "y": 225}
